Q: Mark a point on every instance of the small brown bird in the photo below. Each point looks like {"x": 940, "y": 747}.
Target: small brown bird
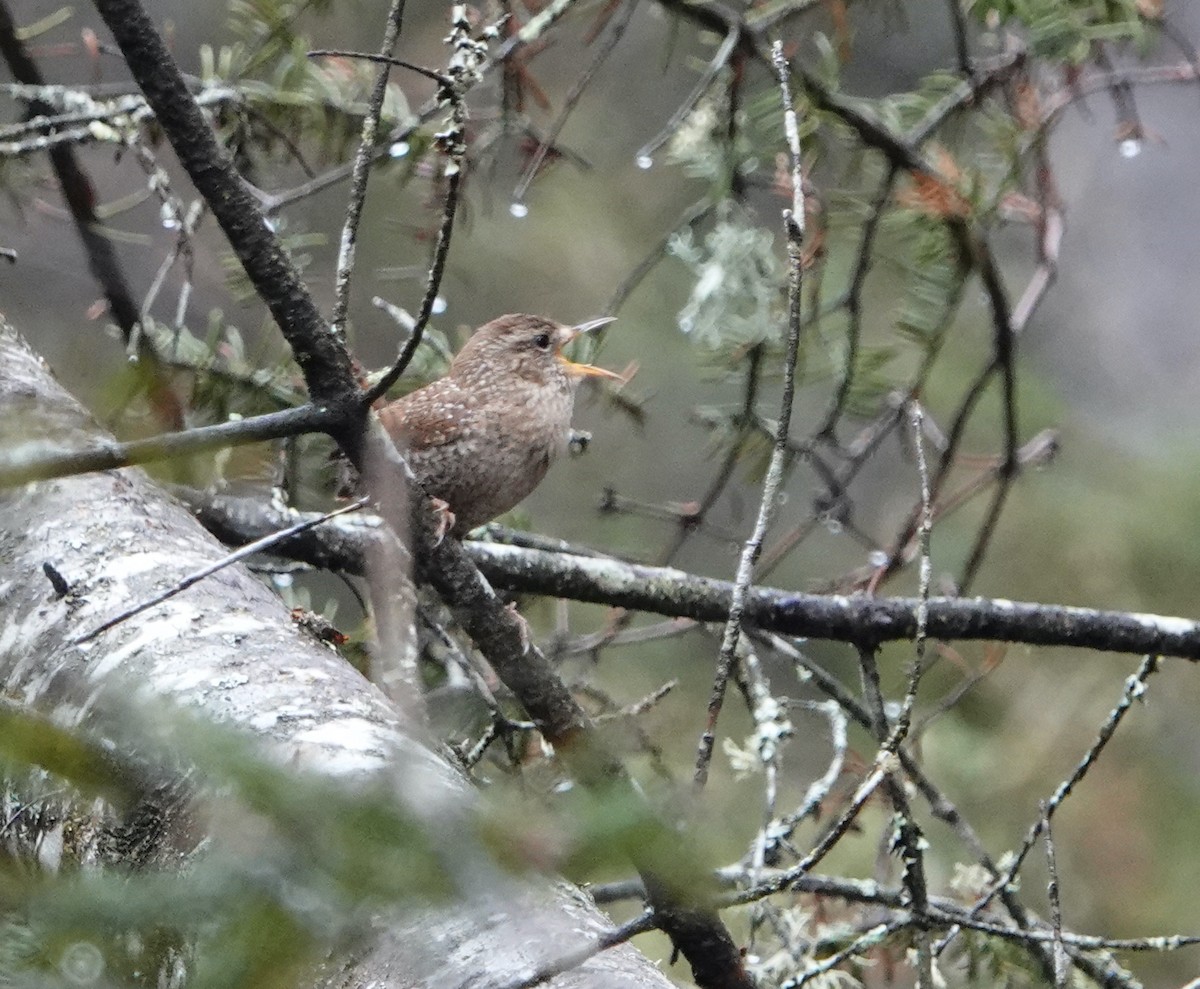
{"x": 481, "y": 438}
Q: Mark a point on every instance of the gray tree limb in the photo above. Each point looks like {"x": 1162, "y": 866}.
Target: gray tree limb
{"x": 859, "y": 619}
{"x": 226, "y": 650}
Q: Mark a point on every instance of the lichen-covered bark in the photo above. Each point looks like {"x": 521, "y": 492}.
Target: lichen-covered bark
{"x": 225, "y": 649}
{"x": 858, "y": 618}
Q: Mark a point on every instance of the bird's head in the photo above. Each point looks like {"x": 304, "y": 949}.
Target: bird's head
{"x": 530, "y": 347}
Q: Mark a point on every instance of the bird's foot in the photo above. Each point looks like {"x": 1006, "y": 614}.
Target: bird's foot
{"x": 443, "y": 520}
{"x": 522, "y": 626}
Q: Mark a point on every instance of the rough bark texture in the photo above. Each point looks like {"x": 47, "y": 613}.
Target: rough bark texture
{"x": 226, "y": 649}
{"x": 342, "y": 544}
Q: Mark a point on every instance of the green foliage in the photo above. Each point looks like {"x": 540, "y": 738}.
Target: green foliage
{"x": 296, "y": 244}
{"x": 299, "y": 865}
{"x": 588, "y": 833}
{"x": 933, "y": 286}
{"x": 904, "y": 110}
{"x": 286, "y": 94}
{"x": 827, "y": 67}
{"x": 1006, "y": 142}
{"x": 268, "y": 28}
{"x": 872, "y": 378}
{"x": 27, "y": 740}
{"x": 1066, "y": 30}
{"x": 228, "y": 378}
{"x": 995, "y": 963}
{"x": 430, "y": 360}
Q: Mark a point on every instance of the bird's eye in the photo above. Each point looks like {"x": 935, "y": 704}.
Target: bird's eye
{"x": 542, "y": 341}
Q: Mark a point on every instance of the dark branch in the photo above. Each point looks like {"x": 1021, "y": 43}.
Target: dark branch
{"x": 667, "y": 591}
{"x": 37, "y": 463}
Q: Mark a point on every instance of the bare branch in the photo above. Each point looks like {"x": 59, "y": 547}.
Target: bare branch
{"x": 358, "y": 177}
{"x": 35, "y": 462}
{"x": 853, "y": 619}
{"x": 258, "y": 546}
{"x": 793, "y": 222}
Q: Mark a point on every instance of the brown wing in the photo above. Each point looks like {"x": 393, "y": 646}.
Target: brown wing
{"x": 433, "y": 416}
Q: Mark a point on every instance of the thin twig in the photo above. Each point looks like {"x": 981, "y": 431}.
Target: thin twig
{"x": 572, "y": 98}
{"x": 772, "y": 729}
{"x": 465, "y": 66}
{"x": 1129, "y": 121}
{"x": 925, "y": 532}
{"x": 358, "y": 177}
{"x": 33, "y": 462}
{"x": 962, "y": 50}
{"x": 573, "y": 959}
{"x": 862, "y": 268}
{"x": 1061, "y": 962}
{"x": 835, "y": 833}
{"x": 258, "y": 546}
{"x": 781, "y": 830}
{"x": 691, "y": 216}
{"x": 872, "y": 938}
{"x": 182, "y": 248}
{"x": 793, "y": 221}
{"x": 1135, "y": 689}
{"x": 645, "y": 154}
{"x": 385, "y": 59}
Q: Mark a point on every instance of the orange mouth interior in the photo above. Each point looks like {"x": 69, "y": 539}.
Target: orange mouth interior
{"x": 588, "y": 370}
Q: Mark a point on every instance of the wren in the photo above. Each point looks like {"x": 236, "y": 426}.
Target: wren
{"x": 482, "y": 438}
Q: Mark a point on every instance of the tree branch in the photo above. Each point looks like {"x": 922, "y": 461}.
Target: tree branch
{"x": 668, "y": 591}
{"x": 35, "y": 462}
{"x": 362, "y": 164}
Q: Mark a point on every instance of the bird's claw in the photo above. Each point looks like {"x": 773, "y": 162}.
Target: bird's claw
{"x": 443, "y": 520}
{"x": 522, "y": 627}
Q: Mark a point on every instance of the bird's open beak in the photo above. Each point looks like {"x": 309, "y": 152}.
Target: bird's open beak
{"x": 591, "y": 324}
{"x": 588, "y": 370}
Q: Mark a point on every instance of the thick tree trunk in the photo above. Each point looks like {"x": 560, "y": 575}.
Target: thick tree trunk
{"x": 226, "y": 649}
